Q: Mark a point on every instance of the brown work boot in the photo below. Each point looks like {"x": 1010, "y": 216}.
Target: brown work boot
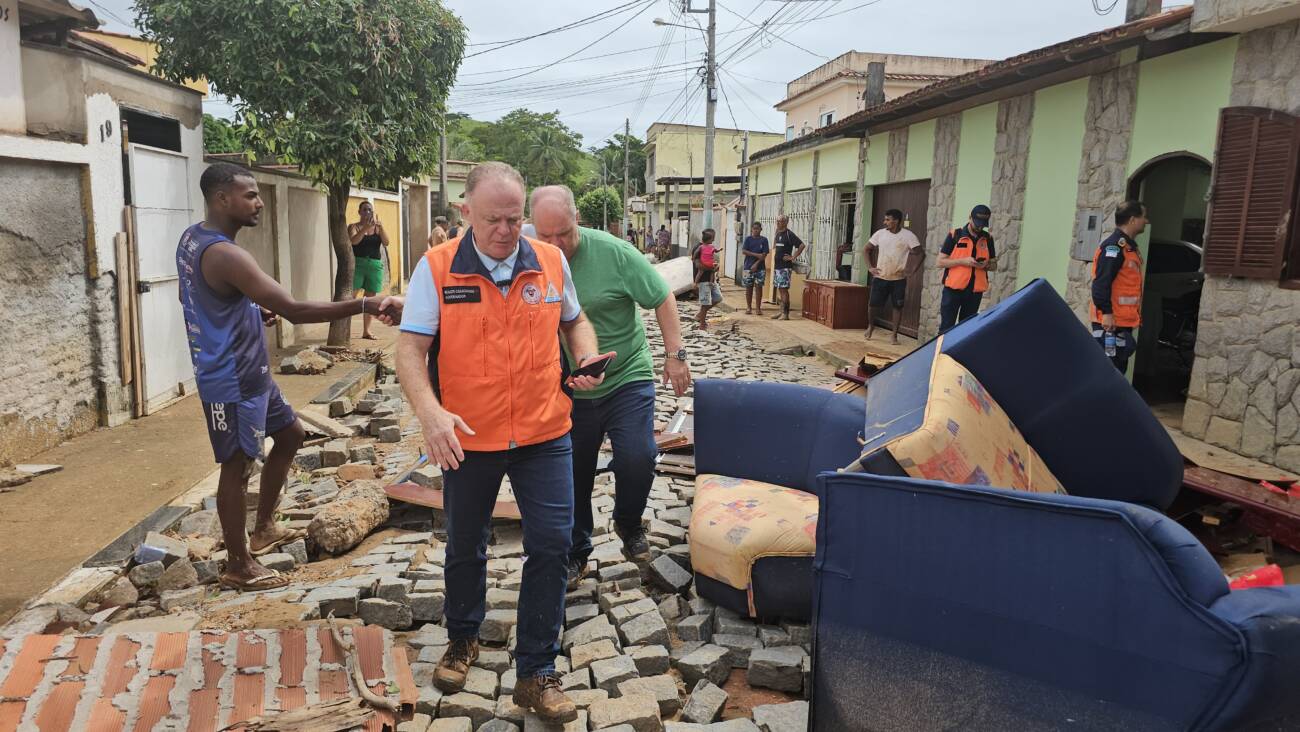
{"x": 449, "y": 676}
{"x": 542, "y": 695}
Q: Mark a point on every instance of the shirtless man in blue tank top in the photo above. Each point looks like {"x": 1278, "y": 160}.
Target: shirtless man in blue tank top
{"x": 227, "y": 301}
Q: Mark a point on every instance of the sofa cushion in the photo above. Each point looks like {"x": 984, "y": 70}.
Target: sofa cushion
{"x": 736, "y": 522}
{"x": 966, "y": 438}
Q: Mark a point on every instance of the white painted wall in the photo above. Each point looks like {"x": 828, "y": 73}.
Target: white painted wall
{"x": 13, "y": 114}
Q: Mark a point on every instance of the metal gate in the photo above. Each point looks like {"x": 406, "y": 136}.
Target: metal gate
{"x": 768, "y": 208}
{"x": 824, "y": 242}
{"x": 160, "y": 195}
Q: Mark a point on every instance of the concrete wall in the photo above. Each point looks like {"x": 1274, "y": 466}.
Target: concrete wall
{"x": 13, "y": 115}
{"x": 1243, "y": 395}
{"x": 312, "y": 263}
{"x": 49, "y": 378}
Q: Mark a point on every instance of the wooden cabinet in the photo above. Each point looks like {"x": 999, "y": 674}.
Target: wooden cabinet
{"x": 835, "y": 304}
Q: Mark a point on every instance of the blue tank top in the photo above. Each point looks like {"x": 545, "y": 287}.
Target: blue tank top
{"x": 227, "y": 342}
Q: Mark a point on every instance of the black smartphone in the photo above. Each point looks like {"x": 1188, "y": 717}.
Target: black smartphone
{"x": 595, "y": 368}
{"x": 981, "y": 260}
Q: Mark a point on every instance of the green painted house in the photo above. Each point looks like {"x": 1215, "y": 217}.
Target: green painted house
{"x": 1053, "y": 140}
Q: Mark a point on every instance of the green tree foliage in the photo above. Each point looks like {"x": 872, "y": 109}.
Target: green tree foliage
{"x": 598, "y": 201}
{"x": 348, "y": 89}
{"x": 541, "y": 147}
{"x": 223, "y": 136}
{"x": 612, "y": 153}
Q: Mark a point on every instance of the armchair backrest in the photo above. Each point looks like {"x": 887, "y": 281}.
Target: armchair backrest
{"x": 777, "y": 433}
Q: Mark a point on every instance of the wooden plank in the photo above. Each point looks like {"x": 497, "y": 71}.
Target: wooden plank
{"x": 320, "y": 424}
{"x": 433, "y": 498}
{"x": 123, "y": 309}
{"x": 1214, "y": 458}
{"x": 132, "y": 270}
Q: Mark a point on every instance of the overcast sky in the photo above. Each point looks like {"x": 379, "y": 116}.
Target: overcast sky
{"x": 649, "y": 73}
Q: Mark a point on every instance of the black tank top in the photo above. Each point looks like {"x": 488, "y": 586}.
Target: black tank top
{"x": 367, "y": 248}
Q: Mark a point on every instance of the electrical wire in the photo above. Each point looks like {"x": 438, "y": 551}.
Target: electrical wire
{"x": 778, "y": 37}
{"x": 498, "y": 45}
{"x": 1096, "y": 7}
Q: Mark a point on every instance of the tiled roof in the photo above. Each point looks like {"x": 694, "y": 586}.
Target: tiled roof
{"x": 200, "y": 681}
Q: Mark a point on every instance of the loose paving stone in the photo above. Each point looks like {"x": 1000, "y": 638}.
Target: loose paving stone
{"x": 508, "y": 710}
{"x": 669, "y": 575}
{"x": 341, "y": 602}
{"x": 385, "y": 613}
{"x": 339, "y": 408}
{"x": 607, "y": 673}
{"x": 597, "y": 628}
{"x": 579, "y": 680}
{"x": 279, "y": 561}
{"x": 207, "y": 570}
{"x": 496, "y": 626}
{"x": 700, "y": 606}
{"x": 584, "y": 655}
{"x": 740, "y": 724}
{"x": 428, "y": 635}
{"x": 684, "y": 649}
{"x": 610, "y": 600}
{"x": 726, "y": 622}
{"x": 432, "y": 654}
{"x": 800, "y": 634}
{"x": 178, "y": 576}
{"x": 585, "y": 698}
{"x": 452, "y": 724}
{"x": 771, "y": 635}
{"x": 738, "y": 646}
{"x": 120, "y": 594}
{"x": 362, "y": 454}
{"x": 417, "y": 723}
{"x": 707, "y": 662}
{"x": 392, "y": 588}
{"x": 788, "y": 717}
{"x": 391, "y": 433}
{"x": 650, "y": 660}
{"x": 577, "y": 613}
{"x": 169, "y": 601}
{"x": 200, "y": 523}
{"x": 307, "y": 458}
{"x": 499, "y": 725}
{"x": 672, "y": 608}
{"x": 640, "y": 711}
{"x": 662, "y": 687}
{"x": 646, "y": 629}
{"x": 625, "y": 612}
{"x": 146, "y": 575}
{"x": 495, "y": 661}
{"x": 684, "y": 727}
{"x": 464, "y": 704}
{"x": 481, "y": 682}
{"x": 533, "y": 723}
{"x": 334, "y": 453}
{"x": 705, "y": 703}
{"x": 298, "y": 550}
{"x": 499, "y": 599}
{"x": 621, "y": 571}
{"x": 778, "y": 668}
{"x": 696, "y": 628}
{"x": 508, "y": 683}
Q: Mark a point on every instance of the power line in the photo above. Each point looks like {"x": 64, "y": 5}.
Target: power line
{"x": 602, "y": 15}
{"x": 660, "y": 57}
{"x": 778, "y": 37}
{"x": 745, "y": 89}
{"x": 126, "y": 23}
{"x": 727, "y": 99}
{"x": 1096, "y": 7}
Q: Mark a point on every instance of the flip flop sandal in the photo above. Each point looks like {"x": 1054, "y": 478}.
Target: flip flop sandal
{"x": 288, "y": 536}
{"x": 272, "y": 581}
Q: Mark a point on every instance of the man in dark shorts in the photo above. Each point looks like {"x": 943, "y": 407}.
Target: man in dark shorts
{"x": 788, "y": 248}
{"x": 893, "y": 254}
{"x": 227, "y": 300}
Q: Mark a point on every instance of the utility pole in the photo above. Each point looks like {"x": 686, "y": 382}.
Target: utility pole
{"x": 604, "y": 207}
{"x": 710, "y": 108}
{"x": 741, "y": 228}
{"x": 627, "y": 130}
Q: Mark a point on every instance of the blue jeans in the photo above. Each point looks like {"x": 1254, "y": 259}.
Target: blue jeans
{"x": 541, "y": 476}
{"x": 627, "y": 415}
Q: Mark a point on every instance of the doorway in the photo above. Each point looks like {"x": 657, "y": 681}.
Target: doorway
{"x": 1174, "y": 189}
{"x": 913, "y": 199}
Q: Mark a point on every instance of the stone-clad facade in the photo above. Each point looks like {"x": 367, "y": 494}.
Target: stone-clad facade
{"x": 897, "y": 163}
{"x": 1243, "y": 395}
{"x": 1010, "y": 173}
{"x": 943, "y": 191}
{"x": 1103, "y": 165}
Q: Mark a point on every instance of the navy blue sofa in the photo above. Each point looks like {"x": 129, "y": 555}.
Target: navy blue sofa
{"x": 940, "y": 606}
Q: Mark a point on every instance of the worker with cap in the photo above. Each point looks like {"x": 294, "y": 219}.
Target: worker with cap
{"x": 479, "y": 359}
{"x": 967, "y": 257}
{"x": 1117, "y": 285}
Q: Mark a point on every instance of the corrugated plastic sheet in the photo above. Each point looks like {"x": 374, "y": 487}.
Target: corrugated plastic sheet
{"x": 199, "y": 681}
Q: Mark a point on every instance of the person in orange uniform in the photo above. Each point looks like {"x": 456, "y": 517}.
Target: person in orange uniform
{"x": 967, "y": 257}
{"x": 1117, "y": 285}
{"x": 479, "y": 360}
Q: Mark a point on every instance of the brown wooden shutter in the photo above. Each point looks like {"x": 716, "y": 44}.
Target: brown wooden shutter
{"x": 1254, "y": 192}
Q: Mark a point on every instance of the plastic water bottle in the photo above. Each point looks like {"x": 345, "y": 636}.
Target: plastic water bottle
{"x": 1108, "y": 343}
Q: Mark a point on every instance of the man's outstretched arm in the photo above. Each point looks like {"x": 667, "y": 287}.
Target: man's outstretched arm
{"x": 229, "y": 269}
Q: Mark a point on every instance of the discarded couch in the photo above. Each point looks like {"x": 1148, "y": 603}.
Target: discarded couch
{"x": 1067, "y": 602}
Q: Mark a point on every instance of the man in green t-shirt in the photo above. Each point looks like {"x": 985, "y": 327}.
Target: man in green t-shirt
{"x": 614, "y": 282}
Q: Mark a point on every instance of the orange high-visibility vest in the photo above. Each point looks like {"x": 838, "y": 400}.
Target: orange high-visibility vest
{"x": 498, "y": 358}
{"x": 1125, "y": 289}
{"x": 958, "y": 278}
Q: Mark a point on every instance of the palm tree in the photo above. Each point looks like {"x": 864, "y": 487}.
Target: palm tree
{"x": 546, "y": 151}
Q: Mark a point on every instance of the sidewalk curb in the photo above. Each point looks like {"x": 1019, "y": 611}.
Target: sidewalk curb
{"x": 91, "y": 576}
{"x": 809, "y": 347}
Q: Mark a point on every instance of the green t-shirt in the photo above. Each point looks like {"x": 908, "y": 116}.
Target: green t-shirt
{"x": 614, "y": 281}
